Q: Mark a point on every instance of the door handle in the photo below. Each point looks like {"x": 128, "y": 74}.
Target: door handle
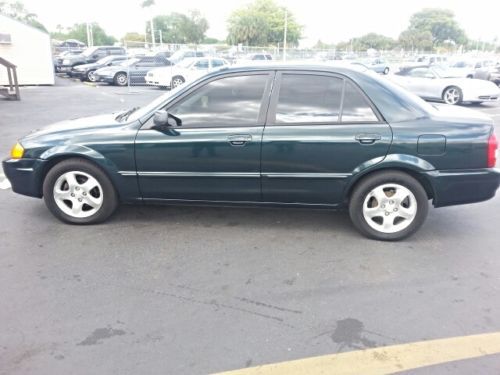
{"x": 239, "y": 139}
{"x": 368, "y": 139}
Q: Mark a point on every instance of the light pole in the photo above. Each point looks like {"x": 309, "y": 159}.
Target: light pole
{"x": 152, "y": 32}
{"x": 284, "y": 35}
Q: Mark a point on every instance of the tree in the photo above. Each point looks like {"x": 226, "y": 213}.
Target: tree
{"x": 180, "y": 28}
{"x": 440, "y": 24}
{"x": 261, "y": 23}
{"x": 416, "y": 40}
{"x": 133, "y": 37}
{"x": 17, "y": 11}
{"x": 79, "y": 32}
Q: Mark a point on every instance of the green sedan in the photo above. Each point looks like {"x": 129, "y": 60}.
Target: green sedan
{"x": 289, "y": 136}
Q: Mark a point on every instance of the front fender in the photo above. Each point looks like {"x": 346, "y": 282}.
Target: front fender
{"x": 126, "y": 186}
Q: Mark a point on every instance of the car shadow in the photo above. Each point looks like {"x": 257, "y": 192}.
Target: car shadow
{"x": 251, "y": 217}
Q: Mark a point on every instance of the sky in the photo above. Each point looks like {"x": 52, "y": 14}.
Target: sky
{"x": 331, "y": 21}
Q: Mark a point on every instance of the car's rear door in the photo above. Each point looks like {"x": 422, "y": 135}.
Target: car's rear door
{"x": 320, "y": 128}
{"x": 215, "y": 154}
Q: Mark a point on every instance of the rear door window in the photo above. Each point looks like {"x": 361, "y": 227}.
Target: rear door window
{"x": 320, "y": 99}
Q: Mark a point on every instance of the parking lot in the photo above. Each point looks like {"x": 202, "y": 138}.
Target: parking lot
{"x": 189, "y": 290}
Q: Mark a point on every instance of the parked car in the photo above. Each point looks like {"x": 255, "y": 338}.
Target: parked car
{"x": 284, "y": 135}
{"x": 60, "y": 57}
{"x": 185, "y": 71}
{"x": 489, "y": 73}
{"x": 180, "y": 55}
{"x": 70, "y": 45}
{"x": 378, "y": 65}
{"x": 435, "y": 83}
{"x": 90, "y": 55}
{"x": 254, "y": 57}
{"x": 134, "y": 69}
{"x": 86, "y": 71}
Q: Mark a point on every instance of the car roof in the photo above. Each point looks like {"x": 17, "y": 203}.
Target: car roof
{"x": 280, "y": 65}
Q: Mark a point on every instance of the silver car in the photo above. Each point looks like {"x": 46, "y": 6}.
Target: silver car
{"x": 435, "y": 83}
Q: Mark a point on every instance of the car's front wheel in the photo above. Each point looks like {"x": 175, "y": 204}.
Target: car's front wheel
{"x": 120, "y": 79}
{"x": 91, "y": 76}
{"x": 177, "y": 81}
{"x": 388, "y": 206}
{"x": 386, "y": 70}
{"x": 78, "y": 192}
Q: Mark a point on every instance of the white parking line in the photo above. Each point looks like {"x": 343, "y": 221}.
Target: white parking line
{"x": 4, "y": 182}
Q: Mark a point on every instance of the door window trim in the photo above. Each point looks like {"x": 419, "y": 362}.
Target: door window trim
{"x": 271, "y": 116}
{"x": 264, "y": 105}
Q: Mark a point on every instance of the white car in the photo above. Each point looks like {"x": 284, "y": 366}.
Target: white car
{"x": 185, "y": 71}
{"x": 435, "y": 83}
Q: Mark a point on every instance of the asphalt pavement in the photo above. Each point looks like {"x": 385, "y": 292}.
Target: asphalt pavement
{"x": 187, "y": 290}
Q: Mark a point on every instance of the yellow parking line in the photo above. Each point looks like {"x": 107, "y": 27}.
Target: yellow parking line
{"x": 386, "y": 359}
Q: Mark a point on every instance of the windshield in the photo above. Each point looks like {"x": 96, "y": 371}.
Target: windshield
{"x": 462, "y": 64}
{"x": 105, "y": 60}
{"x": 129, "y": 62}
{"x": 89, "y": 51}
{"x": 186, "y": 63}
{"x": 137, "y": 114}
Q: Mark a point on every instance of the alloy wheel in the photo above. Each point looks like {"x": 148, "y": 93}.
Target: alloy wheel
{"x": 452, "y": 95}
{"x": 390, "y": 208}
{"x": 78, "y": 194}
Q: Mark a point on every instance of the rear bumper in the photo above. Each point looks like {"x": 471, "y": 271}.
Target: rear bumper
{"x": 25, "y": 175}
{"x": 452, "y": 187}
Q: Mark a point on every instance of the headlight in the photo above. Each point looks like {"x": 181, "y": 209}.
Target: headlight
{"x": 17, "y": 151}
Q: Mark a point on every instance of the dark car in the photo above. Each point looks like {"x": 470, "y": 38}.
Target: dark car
{"x": 134, "y": 69}
{"x": 90, "y": 55}
{"x": 86, "y": 71}
{"x": 289, "y": 136}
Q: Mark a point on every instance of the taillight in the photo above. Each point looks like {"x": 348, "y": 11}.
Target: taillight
{"x": 492, "y": 150}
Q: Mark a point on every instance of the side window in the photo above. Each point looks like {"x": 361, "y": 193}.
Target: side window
{"x": 202, "y": 64}
{"x": 306, "y": 98}
{"x": 230, "y": 101}
{"x": 355, "y": 107}
{"x": 217, "y": 63}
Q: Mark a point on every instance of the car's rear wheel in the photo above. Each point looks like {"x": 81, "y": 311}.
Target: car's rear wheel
{"x": 91, "y": 76}
{"x": 177, "y": 81}
{"x": 386, "y": 70}
{"x": 388, "y": 206}
{"x": 120, "y": 79}
{"x": 78, "y": 192}
{"x": 452, "y": 95}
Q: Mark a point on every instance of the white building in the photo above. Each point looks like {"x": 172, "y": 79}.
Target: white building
{"x": 29, "y": 49}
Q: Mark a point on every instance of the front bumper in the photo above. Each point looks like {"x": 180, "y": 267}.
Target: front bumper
{"x": 101, "y": 78}
{"x": 25, "y": 175}
{"x": 452, "y": 187}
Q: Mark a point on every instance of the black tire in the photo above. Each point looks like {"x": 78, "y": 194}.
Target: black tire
{"x": 110, "y": 197}
{"x": 120, "y": 79}
{"x": 386, "y": 70}
{"x": 366, "y": 185}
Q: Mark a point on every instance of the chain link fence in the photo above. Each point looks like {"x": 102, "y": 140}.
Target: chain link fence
{"x": 167, "y": 65}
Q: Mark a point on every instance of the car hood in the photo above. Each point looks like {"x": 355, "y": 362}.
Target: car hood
{"x": 112, "y": 69}
{"x": 88, "y": 66}
{"x": 75, "y": 126}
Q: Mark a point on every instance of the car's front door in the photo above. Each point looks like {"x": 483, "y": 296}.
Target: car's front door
{"x": 320, "y": 128}
{"x": 215, "y": 152}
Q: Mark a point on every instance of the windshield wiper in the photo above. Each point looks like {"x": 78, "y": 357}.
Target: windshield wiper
{"x": 126, "y": 114}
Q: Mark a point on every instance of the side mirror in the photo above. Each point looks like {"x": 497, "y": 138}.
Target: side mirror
{"x": 162, "y": 119}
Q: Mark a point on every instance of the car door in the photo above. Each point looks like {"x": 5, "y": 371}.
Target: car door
{"x": 320, "y": 128}
{"x": 214, "y": 155}
{"x": 426, "y": 83}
